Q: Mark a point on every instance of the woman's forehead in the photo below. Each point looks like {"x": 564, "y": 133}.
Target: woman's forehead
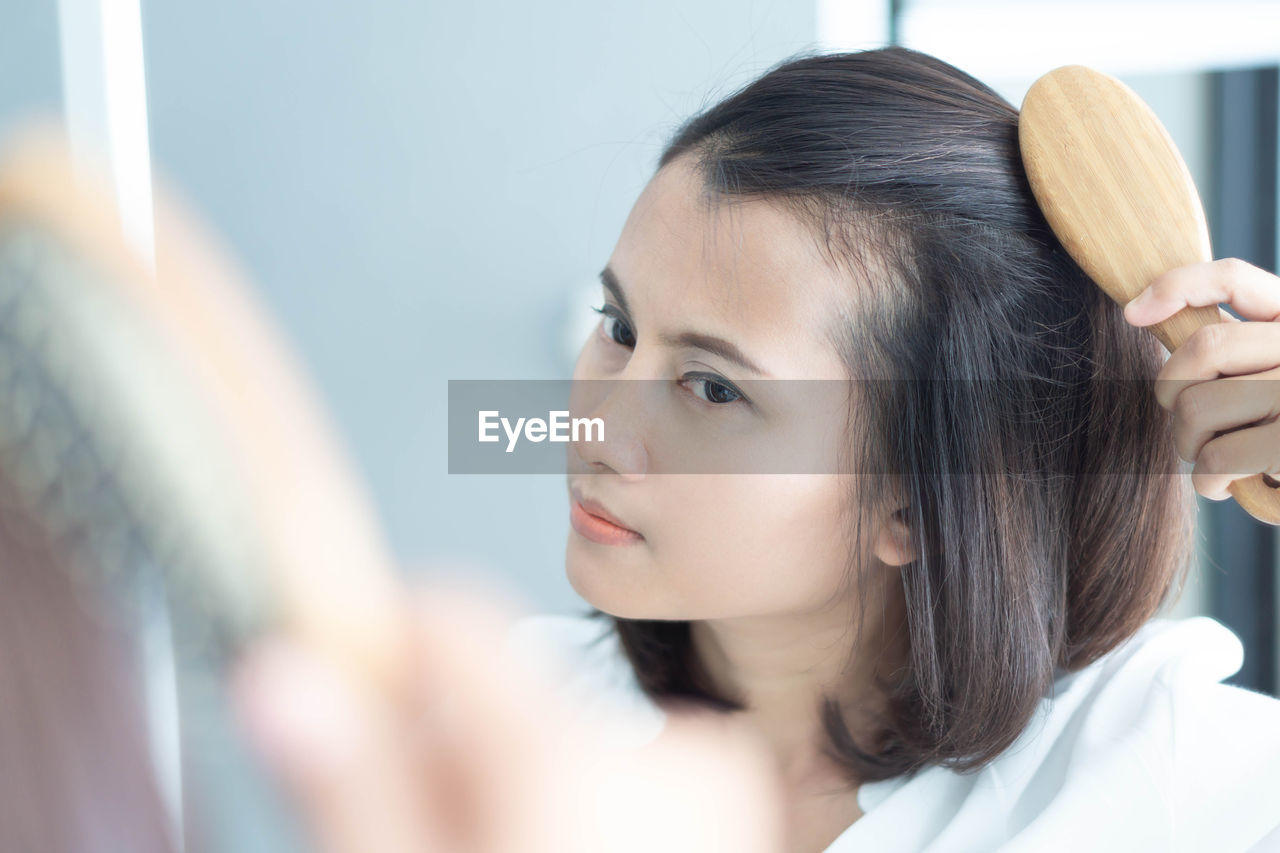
{"x": 745, "y": 269}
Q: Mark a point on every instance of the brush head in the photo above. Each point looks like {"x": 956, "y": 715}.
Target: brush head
{"x": 1112, "y": 185}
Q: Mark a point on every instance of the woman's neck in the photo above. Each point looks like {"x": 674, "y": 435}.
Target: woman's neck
{"x": 780, "y": 666}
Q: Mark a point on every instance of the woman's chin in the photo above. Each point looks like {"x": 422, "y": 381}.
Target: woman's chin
{"x": 604, "y": 583}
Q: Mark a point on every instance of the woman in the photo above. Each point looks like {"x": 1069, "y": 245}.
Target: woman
{"x": 958, "y": 649}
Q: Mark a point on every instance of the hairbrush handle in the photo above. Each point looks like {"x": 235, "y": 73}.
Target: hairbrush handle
{"x": 1120, "y": 199}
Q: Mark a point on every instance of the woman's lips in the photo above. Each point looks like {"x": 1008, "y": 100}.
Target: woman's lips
{"x": 597, "y": 529}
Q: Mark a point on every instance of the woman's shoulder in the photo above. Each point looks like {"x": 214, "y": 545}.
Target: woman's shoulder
{"x": 1145, "y": 748}
{"x": 1162, "y": 690}
{"x": 581, "y": 657}
{"x": 1155, "y": 708}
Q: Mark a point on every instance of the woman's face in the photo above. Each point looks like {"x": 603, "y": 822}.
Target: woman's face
{"x": 711, "y": 545}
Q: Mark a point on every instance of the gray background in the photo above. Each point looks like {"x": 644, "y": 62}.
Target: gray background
{"x": 420, "y": 188}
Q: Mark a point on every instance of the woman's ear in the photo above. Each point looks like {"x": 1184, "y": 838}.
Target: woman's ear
{"x": 894, "y": 541}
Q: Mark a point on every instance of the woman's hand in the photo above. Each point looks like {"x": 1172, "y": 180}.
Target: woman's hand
{"x": 1210, "y": 383}
{"x": 486, "y": 759}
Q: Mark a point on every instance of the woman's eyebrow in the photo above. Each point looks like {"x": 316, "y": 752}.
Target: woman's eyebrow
{"x": 710, "y": 343}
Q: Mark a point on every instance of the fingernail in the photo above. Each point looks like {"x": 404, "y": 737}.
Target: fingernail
{"x": 1134, "y": 306}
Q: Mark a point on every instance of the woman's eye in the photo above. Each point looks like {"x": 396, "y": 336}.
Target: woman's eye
{"x": 615, "y": 328}
{"x": 707, "y": 387}
{"x": 712, "y": 389}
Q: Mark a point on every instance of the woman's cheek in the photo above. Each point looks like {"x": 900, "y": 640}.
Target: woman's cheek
{"x": 728, "y": 538}
{"x": 807, "y": 524}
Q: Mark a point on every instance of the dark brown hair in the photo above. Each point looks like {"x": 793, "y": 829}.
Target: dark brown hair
{"x": 1047, "y": 526}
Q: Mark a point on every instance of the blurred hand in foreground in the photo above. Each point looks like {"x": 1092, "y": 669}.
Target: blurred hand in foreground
{"x": 485, "y": 758}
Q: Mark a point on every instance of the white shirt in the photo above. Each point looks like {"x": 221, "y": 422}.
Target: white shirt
{"x": 1142, "y": 750}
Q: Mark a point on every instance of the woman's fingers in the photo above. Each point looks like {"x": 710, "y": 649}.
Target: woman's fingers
{"x": 1223, "y": 349}
{"x": 1223, "y": 383}
{"x": 482, "y": 757}
{"x": 1206, "y": 409}
{"x": 337, "y": 749}
{"x": 1235, "y": 455}
{"x": 460, "y": 766}
{"x": 492, "y": 727}
{"x": 1230, "y": 348}
{"x": 546, "y": 781}
{"x": 1254, "y": 293}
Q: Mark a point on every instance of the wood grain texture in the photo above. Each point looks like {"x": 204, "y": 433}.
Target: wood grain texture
{"x": 1121, "y": 200}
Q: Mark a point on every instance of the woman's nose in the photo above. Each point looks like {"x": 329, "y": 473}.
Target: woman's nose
{"x": 618, "y": 446}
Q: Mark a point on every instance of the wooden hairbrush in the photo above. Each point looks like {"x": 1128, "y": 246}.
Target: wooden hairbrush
{"x": 1120, "y": 199}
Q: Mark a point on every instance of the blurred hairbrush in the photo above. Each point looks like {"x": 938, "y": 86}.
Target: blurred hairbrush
{"x": 155, "y": 422}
